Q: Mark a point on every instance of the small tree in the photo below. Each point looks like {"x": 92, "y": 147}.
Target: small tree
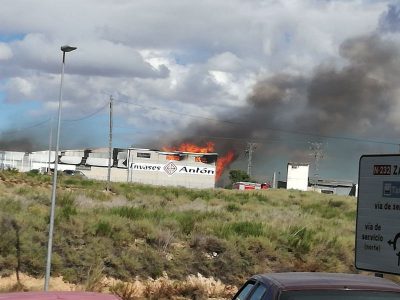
{"x": 8, "y": 223}
{"x": 238, "y": 175}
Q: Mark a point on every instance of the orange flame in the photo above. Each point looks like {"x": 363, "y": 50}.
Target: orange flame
{"x": 188, "y": 147}
{"x": 222, "y": 162}
{"x": 173, "y": 157}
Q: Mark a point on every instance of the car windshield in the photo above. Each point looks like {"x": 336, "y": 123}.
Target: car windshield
{"x": 342, "y": 295}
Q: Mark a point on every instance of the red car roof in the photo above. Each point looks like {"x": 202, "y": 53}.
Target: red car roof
{"x": 57, "y": 296}
{"x": 307, "y": 281}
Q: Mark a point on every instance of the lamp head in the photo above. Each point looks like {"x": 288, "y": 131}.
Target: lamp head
{"x": 67, "y": 48}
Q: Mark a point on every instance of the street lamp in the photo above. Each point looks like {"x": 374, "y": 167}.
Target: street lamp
{"x": 64, "y": 49}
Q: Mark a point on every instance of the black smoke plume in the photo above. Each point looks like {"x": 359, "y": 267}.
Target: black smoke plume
{"x": 23, "y": 144}
{"x": 358, "y": 99}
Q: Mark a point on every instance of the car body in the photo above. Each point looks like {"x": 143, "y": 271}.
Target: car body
{"x": 57, "y": 296}
{"x": 318, "y": 286}
{"x": 74, "y": 173}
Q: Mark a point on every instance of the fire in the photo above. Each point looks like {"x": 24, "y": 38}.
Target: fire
{"x": 209, "y": 147}
{"x": 223, "y": 162}
{"x": 188, "y": 147}
{"x": 173, "y": 157}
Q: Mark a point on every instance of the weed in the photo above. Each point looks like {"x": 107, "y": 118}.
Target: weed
{"x": 160, "y": 288}
{"x": 95, "y": 279}
{"x": 300, "y": 240}
{"x": 210, "y": 244}
{"x": 232, "y": 207}
{"x": 133, "y": 213}
{"x": 23, "y": 191}
{"x": 10, "y": 206}
{"x": 16, "y": 287}
{"x": 66, "y": 202}
{"x": 261, "y": 197}
{"x": 226, "y": 234}
{"x": 127, "y": 290}
{"x": 243, "y": 229}
{"x": 98, "y": 195}
{"x": 336, "y": 203}
{"x": 103, "y": 228}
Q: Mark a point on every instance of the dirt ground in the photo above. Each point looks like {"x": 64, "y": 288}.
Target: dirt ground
{"x": 36, "y": 284}
{"x": 28, "y": 283}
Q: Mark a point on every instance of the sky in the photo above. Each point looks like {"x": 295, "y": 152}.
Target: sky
{"x": 279, "y": 73}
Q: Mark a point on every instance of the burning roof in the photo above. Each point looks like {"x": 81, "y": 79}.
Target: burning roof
{"x": 223, "y": 161}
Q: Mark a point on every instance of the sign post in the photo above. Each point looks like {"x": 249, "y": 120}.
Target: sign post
{"x": 378, "y": 214}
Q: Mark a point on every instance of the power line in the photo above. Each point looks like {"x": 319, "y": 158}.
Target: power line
{"x": 88, "y": 116}
{"x": 296, "y": 132}
{"x": 181, "y": 114}
{"x": 13, "y": 132}
{"x": 354, "y": 139}
{"x": 16, "y": 131}
{"x": 249, "y": 151}
{"x": 261, "y": 140}
{"x": 318, "y": 153}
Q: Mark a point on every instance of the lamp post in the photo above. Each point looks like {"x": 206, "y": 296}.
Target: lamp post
{"x": 64, "y": 49}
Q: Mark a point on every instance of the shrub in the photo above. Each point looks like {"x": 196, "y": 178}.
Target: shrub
{"x": 12, "y": 171}
{"x": 103, "y": 228}
{"x": 226, "y": 234}
{"x": 160, "y": 288}
{"x": 95, "y": 279}
{"x": 128, "y": 290}
{"x": 33, "y": 173}
{"x": 300, "y": 240}
{"x": 210, "y": 244}
{"x": 200, "y": 287}
{"x": 10, "y": 206}
{"x": 133, "y": 213}
{"x": 244, "y": 229}
{"x": 97, "y": 195}
{"x": 152, "y": 263}
{"x": 261, "y": 197}
{"x": 232, "y": 207}
{"x": 142, "y": 229}
{"x": 23, "y": 190}
{"x": 66, "y": 201}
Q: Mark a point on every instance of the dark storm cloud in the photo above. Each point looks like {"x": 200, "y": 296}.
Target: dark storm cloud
{"x": 390, "y": 20}
{"x": 356, "y": 100}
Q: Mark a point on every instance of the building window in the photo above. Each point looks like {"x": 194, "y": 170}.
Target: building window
{"x": 173, "y": 157}
{"x": 143, "y": 155}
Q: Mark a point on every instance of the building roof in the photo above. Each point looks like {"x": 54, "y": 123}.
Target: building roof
{"x": 339, "y": 281}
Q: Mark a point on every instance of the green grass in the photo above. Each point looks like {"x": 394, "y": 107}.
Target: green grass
{"x": 143, "y": 230}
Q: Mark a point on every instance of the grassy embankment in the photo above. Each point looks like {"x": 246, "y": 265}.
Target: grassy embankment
{"x": 140, "y": 231}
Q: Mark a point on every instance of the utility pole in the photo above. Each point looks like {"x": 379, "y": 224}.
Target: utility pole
{"x": 50, "y": 144}
{"x": 110, "y": 145}
{"x": 250, "y": 149}
{"x": 64, "y": 49}
{"x": 318, "y": 153}
{"x": 274, "y": 181}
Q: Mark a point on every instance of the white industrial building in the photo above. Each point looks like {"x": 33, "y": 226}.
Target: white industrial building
{"x": 297, "y": 176}
{"x": 193, "y": 170}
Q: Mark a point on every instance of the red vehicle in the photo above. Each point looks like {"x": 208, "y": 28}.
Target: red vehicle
{"x": 250, "y": 186}
{"x": 317, "y": 286}
{"x": 57, "y": 296}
